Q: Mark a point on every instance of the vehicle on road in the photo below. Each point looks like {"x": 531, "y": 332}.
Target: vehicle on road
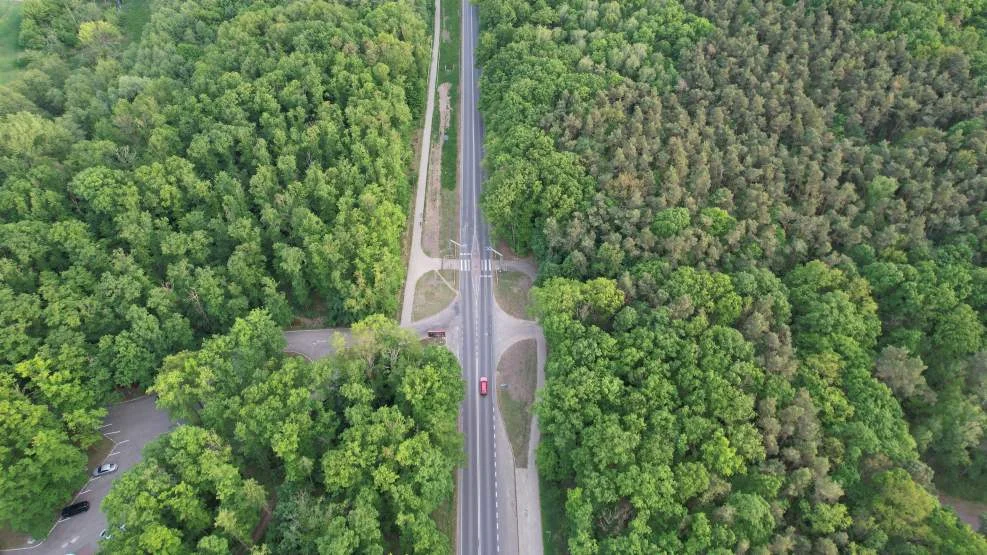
{"x": 483, "y": 385}
{"x": 75, "y": 509}
{"x": 104, "y": 469}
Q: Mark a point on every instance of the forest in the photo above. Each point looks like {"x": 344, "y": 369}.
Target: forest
{"x": 166, "y": 192}
{"x": 760, "y": 229}
{"x": 350, "y": 454}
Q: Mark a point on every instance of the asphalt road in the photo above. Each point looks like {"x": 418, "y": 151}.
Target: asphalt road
{"x": 314, "y": 344}
{"x": 478, "y": 504}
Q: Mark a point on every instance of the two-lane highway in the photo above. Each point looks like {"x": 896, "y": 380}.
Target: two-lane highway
{"x": 479, "y": 531}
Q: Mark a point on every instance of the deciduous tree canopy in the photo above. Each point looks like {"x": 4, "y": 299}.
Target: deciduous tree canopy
{"x": 760, "y": 229}
{"x": 238, "y": 155}
{"x": 360, "y": 448}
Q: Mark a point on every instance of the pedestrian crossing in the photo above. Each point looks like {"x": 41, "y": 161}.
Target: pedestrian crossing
{"x": 466, "y": 264}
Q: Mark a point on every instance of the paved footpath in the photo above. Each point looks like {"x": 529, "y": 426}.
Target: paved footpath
{"x": 420, "y": 263}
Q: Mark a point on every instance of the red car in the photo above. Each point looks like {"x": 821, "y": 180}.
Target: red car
{"x": 483, "y": 386}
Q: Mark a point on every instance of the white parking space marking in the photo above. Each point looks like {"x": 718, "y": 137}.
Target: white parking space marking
{"x": 87, "y": 491}
{"x": 111, "y": 433}
{"x": 121, "y": 442}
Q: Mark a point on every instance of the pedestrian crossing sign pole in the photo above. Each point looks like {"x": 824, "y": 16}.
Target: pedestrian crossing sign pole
{"x": 459, "y": 256}
{"x": 500, "y": 261}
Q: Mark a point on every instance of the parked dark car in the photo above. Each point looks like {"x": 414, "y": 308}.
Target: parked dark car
{"x": 75, "y": 509}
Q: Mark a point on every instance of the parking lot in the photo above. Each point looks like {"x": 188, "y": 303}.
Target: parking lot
{"x": 130, "y": 426}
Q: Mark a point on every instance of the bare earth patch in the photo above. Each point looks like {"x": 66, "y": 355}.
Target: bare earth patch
{"x": 311, "y": 318}
{"x": 517, "y": 377}
{"x": 432, "y": 228}
{"x": 10, "y": 539}
{"x": 511, "y": 290}
{"x": 306, "y": 323}
{"x": 506, "y": 250}
{"x": 444, "y": 111}
{"x": 968, "y": 511}
{"x": 433, "y": 292}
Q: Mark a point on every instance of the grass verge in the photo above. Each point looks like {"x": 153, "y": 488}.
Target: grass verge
{"x": 449, "y": 225}
{"x": 511, "y": 290}
{"x": 10, "y": 24}
{"x": 445, "y": 515}
{"x": 448, "y": 72}
{"x": 517, "y": 374}
{"x": 433, "y": 293}
{"x": 10, "y": 539}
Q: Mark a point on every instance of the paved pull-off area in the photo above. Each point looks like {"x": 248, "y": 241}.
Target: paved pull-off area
{"x": 129, "y": 426}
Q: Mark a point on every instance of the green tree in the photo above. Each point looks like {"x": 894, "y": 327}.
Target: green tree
{"x": 185, "y": 490}
{"x": 40, "y": 465}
